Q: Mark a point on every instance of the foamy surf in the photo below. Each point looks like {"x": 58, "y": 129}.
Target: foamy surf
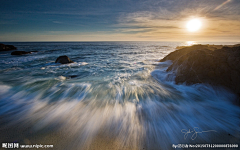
{"x": 135, "y": 116}
{"x": 116, "y": 102}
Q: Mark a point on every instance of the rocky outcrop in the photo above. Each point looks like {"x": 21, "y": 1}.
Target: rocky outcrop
{"x": 206, "y": 64}
{"x": 21, "y": 52}
{"x": 63, "y": 60}
{"x": 7, "y": 47}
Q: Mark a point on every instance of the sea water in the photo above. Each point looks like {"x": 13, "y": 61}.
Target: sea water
{"x": 115, "y": 90}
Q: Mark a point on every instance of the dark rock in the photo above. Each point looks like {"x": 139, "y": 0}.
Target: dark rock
{"x": 20, "y": 53}
{"x": 7, "y": 47}
{"x": 73, "y": 76}
{"x": 202, "y": 64}
{"x": 63, "y": 60}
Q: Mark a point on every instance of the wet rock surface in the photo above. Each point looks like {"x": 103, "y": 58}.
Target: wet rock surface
{"x": 63, "y": 60}
{"x": 207, "y": 64}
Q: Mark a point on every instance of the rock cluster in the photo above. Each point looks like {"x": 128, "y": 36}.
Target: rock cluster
{"x": 207, "y": 64}
{"x": 7, "y": 47}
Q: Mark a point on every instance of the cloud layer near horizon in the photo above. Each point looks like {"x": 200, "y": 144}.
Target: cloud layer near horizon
{"x": 112, "y": 20}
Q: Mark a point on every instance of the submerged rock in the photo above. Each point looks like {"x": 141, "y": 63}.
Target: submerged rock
{"x": 73, "y": 76}
{"x": 206, "y": 64}
{"x": 19, "y": 53}
{"x": 7, "y": 47}
{"x": 63, "y": 60}
{"x": 22, "y": 52}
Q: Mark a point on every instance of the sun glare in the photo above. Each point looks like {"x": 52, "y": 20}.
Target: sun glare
{"x": 194, "y": 25}
{"x": 190, "y": 43}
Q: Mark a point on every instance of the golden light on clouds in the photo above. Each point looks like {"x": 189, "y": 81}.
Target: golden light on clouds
{"x": 155, "y": 20}
{"x": 194, "y": 25}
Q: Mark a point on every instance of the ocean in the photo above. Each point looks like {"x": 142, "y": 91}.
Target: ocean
{"x": 115, "y": 95}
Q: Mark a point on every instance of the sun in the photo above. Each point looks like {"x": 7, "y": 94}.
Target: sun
{"x": 194, "y": 25}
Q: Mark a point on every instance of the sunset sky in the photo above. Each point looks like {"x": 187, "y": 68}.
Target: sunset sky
{"x": 118, "y": 20}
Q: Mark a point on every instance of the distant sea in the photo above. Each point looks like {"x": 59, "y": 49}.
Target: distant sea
{"x": 113, "y": 90}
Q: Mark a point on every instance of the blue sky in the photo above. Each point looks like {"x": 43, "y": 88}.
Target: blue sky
{"x": 118, "y": 20}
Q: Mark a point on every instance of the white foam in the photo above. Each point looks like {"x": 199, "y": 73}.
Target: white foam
{"x": 62, "y": 78}
{"x": 4, "y": 89}
{"x": 156, "y": 123}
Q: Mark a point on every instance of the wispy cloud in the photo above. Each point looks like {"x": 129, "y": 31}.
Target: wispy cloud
{"x": 166, "y": 18}
{"x": 112, "y": 19}
{"x": 224, "y": 3}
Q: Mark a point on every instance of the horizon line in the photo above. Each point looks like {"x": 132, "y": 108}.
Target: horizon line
{"x": 112, "y": 41}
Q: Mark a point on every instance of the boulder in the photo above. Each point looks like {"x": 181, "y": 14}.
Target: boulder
{"x": 200, "y": 64}
{"x": 7, "y": 47}
{"x": 63, "y": 60}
